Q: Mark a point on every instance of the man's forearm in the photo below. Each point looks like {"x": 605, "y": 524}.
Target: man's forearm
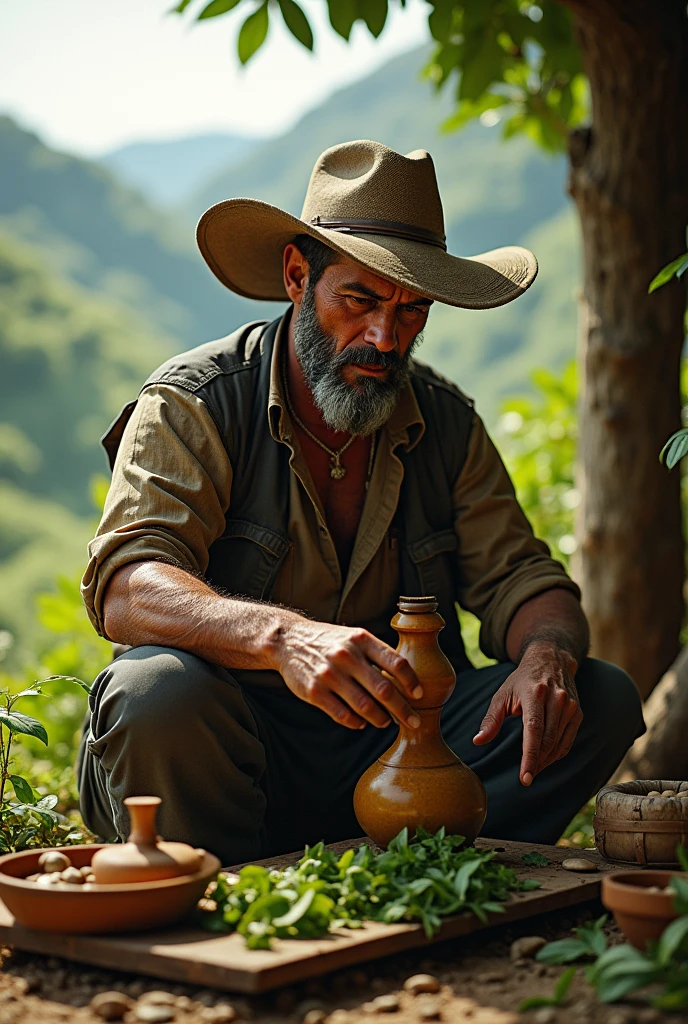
{"x": 161, "y": 604}
{"x": 553, "y": 618}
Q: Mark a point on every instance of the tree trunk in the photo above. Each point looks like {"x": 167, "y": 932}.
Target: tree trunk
{"x": 662, "y": 752}
{"x": 628, "y": 177}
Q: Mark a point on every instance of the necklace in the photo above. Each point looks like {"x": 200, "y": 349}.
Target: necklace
{"x": 337, "y": 471}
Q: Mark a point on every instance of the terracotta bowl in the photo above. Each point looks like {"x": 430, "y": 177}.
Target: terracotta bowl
{"x": 105, "y": 908}
{"x": 641, "y": 915}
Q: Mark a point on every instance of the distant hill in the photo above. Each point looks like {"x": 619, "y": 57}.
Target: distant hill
{"x": 105, "y": 236}
{"x": 167, "y": 171}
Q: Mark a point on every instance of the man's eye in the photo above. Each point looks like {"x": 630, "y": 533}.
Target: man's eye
{"x": 414, "y": 309}
{"x": 359, "y": 300}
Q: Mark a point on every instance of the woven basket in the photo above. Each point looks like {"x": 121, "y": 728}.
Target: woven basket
{"x": 634, "y": 828}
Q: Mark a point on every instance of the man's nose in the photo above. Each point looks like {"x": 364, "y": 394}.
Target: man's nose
{"x": 381, "y": 330}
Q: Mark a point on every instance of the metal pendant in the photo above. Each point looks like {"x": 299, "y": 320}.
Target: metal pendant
{"x": 337, "y": 471}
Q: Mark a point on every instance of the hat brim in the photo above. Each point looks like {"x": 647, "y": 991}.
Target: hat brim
{"x": 242, "y": 241}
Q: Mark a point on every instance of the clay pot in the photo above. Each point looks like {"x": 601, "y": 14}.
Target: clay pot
{"x": 641, "y": 915}
{"x": 100, "y": 908}
{"x": 145, "y": 857}
{"x": 634, "y": 827}
{"x": 419, "y": 781}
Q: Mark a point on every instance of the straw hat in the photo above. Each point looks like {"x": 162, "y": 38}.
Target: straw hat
{"x": 376, "y": 207}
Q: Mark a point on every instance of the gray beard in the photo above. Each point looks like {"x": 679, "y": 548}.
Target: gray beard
{"x": 360, "y": 408}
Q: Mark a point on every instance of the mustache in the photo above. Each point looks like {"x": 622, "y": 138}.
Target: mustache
{"x": 364, "y": 355}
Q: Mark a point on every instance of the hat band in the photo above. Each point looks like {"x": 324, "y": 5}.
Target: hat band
{"x": 392, "y": 228}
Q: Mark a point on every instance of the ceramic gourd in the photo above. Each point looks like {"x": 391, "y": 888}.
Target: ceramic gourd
{"x": 419, "y": 781}
{"x": 145, "y": 857}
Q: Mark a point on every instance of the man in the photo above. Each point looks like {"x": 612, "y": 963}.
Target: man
{"x": 274, "y": 492}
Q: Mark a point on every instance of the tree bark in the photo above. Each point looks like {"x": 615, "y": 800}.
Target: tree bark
{"x": 628, "y": 177}
{"x": 662, "y": 752}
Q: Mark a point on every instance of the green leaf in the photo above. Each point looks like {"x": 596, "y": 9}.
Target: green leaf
{"x": 46, "y": 803}
{"x": 535, "y": 859}
{"x": 682, "y": 857}
{"x": 180, "y": 7}
{"x": 32, "y": 691}
{"x": 533, "y": 1002}
{"x": 374, "y": 14}
{"x": 564, "y": 984}
{"x": 676, "y": 268}
{"x": 562, "y": 952}
{"x": 529, "y": 884}
{"x": 16, "y": 722}
{"x": 253, "y": 33}
{"x": 217, "y": 7}
{"x": 299, "y": 909}
{"x": 671, "y": 939}
{"x": 23, "y": 790}
{"x": 343, "y": 14}
{"x": 482, "y": 65}
{"x": 297, "y": 22}
{"x": 463, "y": 877}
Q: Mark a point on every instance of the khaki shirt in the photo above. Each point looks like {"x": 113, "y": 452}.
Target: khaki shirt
{"x": 172, "y": 485}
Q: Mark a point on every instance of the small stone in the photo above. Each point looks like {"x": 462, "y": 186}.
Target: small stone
{"x": 53, "y": 860}
{"x": 223, "y": 1013}
{"x": 490, "y": 977}
{"x": 315, "y": 1017}
{"x": 340, "y": 1016}
{"x": 383, "y": 1004}
{"x": 52, "y": 879}
{"x": 72, "y": 876}
{"x": 183, "y": 1003}
{"x": 159, "y": 998}
{"x": 421, "y": 983}
{"x": 654, "y": 792}
{"x": 526, "y": 947}
{"x": 151, "y": 1013}
{"x": 428, "y": 1008}
{"x": 668, "y": 792}
{"x": 547, "y": 1015}
{"x": 110, "y": 1005}
{"x": 578, "y": 864}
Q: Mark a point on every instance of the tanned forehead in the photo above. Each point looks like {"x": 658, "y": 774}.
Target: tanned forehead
{"x": 362, "y": 289}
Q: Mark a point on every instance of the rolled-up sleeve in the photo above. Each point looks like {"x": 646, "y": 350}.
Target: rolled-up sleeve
{"x": 171, "y": 486}
{"x": 501, "y": 563}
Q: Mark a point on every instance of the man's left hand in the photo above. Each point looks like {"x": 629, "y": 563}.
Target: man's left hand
{"x": 542, "y": 690}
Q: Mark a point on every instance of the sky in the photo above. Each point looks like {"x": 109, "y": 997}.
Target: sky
{"x": 91, "y": 75}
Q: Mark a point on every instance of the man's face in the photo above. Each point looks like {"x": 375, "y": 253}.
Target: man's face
{"x": 353, "y": 335}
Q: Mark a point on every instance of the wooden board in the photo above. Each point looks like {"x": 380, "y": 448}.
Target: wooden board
{"x": 189, "y": 954}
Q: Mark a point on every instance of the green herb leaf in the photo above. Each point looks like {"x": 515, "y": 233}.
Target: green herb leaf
{"x": 253, "y": 33}
{"x": 23, "y": 790}
{"x": 297, "y": 22}
{"x": 217, "y": 7}
{"x": 535, "y": 859}
{"x": 343, "y": 14}
{"x": 676, "y": 268}
{"x": 16, "y": 722}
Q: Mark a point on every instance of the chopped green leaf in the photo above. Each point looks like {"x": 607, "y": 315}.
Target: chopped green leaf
{"x": 535, "y": 860}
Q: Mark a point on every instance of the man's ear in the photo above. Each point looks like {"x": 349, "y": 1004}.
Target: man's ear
{"x": 296, "y": 271}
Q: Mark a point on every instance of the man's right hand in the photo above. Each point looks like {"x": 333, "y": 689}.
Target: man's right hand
{"x": 338, "y": 669}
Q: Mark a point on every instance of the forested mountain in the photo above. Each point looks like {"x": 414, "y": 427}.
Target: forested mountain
{"x": 104, "y": 235}
{"x": 167, "y": 171}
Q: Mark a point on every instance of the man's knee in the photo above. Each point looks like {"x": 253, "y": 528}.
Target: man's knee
{"x": 153, "y": 689}
{"x": 610, "y": 702}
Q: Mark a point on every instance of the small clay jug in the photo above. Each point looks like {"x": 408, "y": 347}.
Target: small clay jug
{"x": 145, "y": 857}
{"x": 419, "y": 781}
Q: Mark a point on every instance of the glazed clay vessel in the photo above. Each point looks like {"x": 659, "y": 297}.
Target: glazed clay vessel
{"x": 145, "y": 857}
{"x": 419, "y": 781}
{"x": 640, "y": 905}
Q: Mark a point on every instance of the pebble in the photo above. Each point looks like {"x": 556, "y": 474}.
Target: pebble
{"x": 422, "y": 983}
{"x": 53, "y": 861}
{"x": 654, "y": 792}
{"x": 110, "y": 1005}
{"x": 526, "y": 947}
{"x": 315, "y": 1017}
{"x": 428, "y": 1008}
{"x": 577, "y": 864}
{"x": 183, "y": 1003}
{"x": 159, "y": 997}
{"x": 383, "y": 1004}
{"x": 222, "y": 1013}
{"x": 339, "y": 1017}
{"x": 547, "y": 1015}
{"x": 152, "y": 1013}
{"x": 669, "y": 792}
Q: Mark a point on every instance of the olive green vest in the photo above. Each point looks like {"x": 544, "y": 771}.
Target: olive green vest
{"x": 232, "y": 377}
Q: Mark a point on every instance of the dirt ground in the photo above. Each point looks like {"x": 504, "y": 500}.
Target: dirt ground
{"x": 479, "y": 983}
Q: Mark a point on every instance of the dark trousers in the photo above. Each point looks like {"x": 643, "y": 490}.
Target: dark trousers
{"x": 250, "y": 771}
